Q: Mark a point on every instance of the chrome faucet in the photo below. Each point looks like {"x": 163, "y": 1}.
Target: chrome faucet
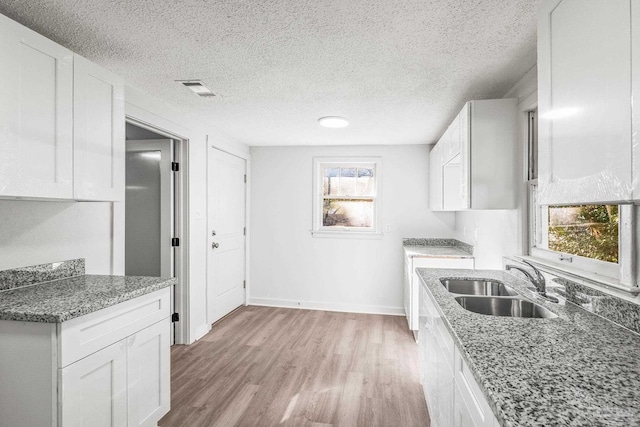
{"x": 538, "y": 281}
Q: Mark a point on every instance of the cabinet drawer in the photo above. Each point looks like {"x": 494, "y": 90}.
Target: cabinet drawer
{"x": 85, "y": 335}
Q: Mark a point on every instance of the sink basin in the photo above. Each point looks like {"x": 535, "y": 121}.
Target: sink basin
{"x": 511, "y": 307}
{"x": 477, "y": 287}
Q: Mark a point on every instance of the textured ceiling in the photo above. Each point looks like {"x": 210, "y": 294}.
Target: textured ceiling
{"x": 399, "y": 70}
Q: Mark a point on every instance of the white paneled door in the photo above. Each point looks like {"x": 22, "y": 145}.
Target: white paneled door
{"x": 226, "y": 227}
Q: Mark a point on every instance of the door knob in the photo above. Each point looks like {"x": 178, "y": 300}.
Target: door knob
{"x": 215, "y": 245}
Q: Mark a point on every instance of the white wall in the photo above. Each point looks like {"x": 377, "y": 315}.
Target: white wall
{"x": 289, "y": 267}
{"x": 500, "y": 232}
{"x": 41, "y": 232}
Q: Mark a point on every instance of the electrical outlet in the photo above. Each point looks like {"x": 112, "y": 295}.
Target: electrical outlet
{"x": 387, "y": 228}
{"x": 475, "y": 234}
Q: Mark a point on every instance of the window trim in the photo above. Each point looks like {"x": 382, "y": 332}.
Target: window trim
{"x": 318, "y": 230}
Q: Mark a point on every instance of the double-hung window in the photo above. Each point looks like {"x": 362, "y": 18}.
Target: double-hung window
{"x": 346, "y": 200}
{"x": 593, "y": 238}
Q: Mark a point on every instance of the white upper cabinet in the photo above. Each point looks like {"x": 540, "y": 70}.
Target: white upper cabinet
{"x": 99, "y": 140}
{"x": 478, "y": 171}
{"x": 585, "y": 100}
{"x": 36, "y": 115}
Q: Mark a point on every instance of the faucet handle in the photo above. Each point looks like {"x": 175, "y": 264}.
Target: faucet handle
{"x": 539, "y": 275}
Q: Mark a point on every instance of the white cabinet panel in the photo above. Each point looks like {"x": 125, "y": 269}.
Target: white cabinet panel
{"x": 36, "y": 115}
{"x": 436, "y": 356}
{"x": 99, "y": 140}
{"x": 435, "y": 178}
{"x": 472, "y": 408}
{"x": 635, "y": 95}
{"x": 454, "y": 139}
{"x": 148, "y": 371}
{"x": 452, "y": 192}
{"x": 585, "y": 125}
{"x": 94, "y": 389}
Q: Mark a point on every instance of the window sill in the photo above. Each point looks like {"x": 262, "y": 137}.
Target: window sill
{"x": 347, "y": 234}
{"x": 583, "y": 277}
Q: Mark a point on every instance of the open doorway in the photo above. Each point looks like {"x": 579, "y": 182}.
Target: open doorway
{"x": 152, "y": 207}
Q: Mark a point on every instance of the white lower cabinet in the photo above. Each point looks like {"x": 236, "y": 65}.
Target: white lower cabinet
{"x": 453, "y": 396}
{"x": 107, "y": 368}
{"x": 125, "y": 384}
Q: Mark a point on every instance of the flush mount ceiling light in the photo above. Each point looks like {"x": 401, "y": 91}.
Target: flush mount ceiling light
{"x": 333, "y": 122}
{"x": 197, "y": 87}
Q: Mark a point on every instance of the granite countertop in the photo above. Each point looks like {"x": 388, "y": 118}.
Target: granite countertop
{"x": 574, "y": 370}
{"x": 430, "y": 247}
{"x": 437, "y": 252}
{"x": 64, "y": 299}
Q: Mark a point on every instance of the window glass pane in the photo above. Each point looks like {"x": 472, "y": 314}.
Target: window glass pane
{"x": 365, "y": 184}
{"x": 331, "y": 181}
{"x": 590, "y": 231}
{"x": 347, "y": 181}
{"x": 347, "y": 213}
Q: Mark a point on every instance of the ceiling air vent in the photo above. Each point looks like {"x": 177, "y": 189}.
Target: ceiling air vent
{"x": 197, "y": 87}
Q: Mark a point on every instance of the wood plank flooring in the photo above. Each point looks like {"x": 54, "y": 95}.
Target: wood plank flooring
{"x": 263, "y": 366}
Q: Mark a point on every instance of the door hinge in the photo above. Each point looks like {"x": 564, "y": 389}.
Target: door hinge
{"x": 245, "y": 178}
{"x": 244, "y": 284}
{"x": 175, "y": 241}
{"x": 175, "y": 166}
{"x": 244, "y": 231}
{"x": 175, "y": 317}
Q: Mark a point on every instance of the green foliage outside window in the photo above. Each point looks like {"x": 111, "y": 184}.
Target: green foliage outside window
{"x": 590, "y": 231}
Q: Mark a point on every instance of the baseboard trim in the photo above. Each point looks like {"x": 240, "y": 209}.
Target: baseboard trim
{"x": 201, "y": 332}
{"x": 327, "y": 306}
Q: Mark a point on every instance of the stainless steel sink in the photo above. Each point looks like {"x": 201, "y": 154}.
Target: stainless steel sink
{"x": 477, "y": 287}
{"x": 511, "y": 307}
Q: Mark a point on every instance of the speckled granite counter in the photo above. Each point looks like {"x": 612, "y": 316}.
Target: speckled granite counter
{"x": 574, "y": 370}
{"x": 63, "y": 299}
{"x": 437, "y": 248}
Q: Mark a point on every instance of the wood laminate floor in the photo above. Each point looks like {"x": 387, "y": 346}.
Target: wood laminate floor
{"x": 263, "y": 366}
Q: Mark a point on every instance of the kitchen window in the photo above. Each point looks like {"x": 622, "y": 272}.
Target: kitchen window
{"x": 596, "y": 239}
{"x": 346, "y": 197}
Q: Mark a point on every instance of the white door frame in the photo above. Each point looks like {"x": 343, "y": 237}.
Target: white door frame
{"x": 181, "y": 224}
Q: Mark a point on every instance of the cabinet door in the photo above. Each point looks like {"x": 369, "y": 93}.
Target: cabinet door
{"x": 148, "y": 368}
{"x": 435, "y": 178}
{"x": 452, "y": 185}
{"x": 584, "y": 67}
{"x": 99, "y": 140}
{"x": 454, "y": 142}
{"x": 465, "y": 156}
{"x": 94, "y": 389}
{"x": 471, "y": 407}
{"x": 36, "y": 115}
